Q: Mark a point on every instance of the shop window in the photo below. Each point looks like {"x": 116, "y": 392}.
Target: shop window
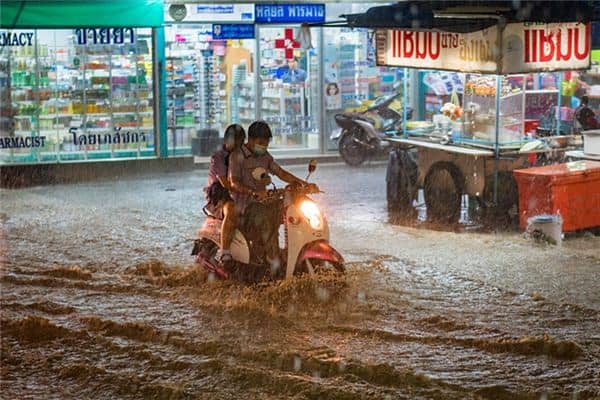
{"x": 353, "y": 82}
{"x": 210, "y": 84}
{"x": 291, "y": 93}
{"x": 79, "y": 94}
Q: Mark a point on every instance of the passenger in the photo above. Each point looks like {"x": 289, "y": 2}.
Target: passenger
{"x": 219, "y": 202}
{"x": 249, "y": 171}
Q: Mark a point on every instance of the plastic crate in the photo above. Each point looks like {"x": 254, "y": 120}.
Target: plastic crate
{"x": 570, "y": 190}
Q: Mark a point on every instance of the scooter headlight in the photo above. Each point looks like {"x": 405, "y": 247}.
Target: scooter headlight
{"x": 312, "y": 214}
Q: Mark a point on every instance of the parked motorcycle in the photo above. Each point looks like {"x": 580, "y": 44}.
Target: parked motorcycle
{"x": 360, "y": 134}
{"x": 306, "y": 250}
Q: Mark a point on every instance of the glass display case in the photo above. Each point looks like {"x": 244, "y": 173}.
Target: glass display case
{"x": 82, "y": 100}
{"x": 481, "y": 116}
{"x": 482, "y": 110}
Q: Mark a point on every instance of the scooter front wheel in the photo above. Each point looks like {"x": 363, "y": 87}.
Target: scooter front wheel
{"x": 313, "y": 266}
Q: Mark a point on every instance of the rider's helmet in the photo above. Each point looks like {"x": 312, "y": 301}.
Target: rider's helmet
{"x": 259, "y": 130}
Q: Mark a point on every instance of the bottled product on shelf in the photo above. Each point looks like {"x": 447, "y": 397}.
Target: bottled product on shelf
{"x": 85, "y": 100}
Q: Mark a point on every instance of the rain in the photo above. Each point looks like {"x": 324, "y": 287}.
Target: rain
{"x": 100, "y": 298}
{"x": 413, "y": 262}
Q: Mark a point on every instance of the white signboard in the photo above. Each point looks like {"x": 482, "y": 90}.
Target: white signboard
{"x": 525, "y": 48}
{"x": 468, "y": 52}
{"x": 546, "y": 47}
{"x": 216, "y": 12}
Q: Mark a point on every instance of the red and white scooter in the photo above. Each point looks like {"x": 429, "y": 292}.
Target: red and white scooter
{"x": 306, "y": 250}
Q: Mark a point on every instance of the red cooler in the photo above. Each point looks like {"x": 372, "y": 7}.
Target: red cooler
{"x": 571, "y": 190}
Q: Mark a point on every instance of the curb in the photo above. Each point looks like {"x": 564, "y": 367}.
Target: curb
{"x": 26, "y": 175}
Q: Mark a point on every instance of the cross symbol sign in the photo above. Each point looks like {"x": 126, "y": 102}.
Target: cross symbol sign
{"x": 288, "y": 43}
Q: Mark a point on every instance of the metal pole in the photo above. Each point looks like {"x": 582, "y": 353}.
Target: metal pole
{"x": 404, "y": 101}
{"x": 323, "y": 111}
{"x": 497, "y": 145}
{"x": 160, "y": 93}
{"x": 500, "y": 68}
{"x": 557, "y": 116}
{"x": 257, "y": 81}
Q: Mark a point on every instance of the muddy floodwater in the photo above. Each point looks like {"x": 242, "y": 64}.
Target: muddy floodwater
{"x": 100, "y": 299}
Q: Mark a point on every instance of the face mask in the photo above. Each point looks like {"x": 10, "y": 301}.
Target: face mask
{"x": 259, "y": 150}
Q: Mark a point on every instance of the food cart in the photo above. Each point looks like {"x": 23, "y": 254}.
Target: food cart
{"x": 485, "y": 135}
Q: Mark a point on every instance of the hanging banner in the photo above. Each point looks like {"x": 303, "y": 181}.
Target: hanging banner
{"x": 466, "y": 52}
{"x": 532, "y": 47}
{"x": 526, "y": 48}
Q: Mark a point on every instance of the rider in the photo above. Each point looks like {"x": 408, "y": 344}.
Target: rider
{"x": 249, "y": 171}
{"x": 219, "y": 202}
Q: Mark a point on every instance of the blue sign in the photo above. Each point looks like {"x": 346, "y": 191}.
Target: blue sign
{"x": 289, "y": 13}
{"x": 215, "y": 9}
{"x": 232, "y": 31}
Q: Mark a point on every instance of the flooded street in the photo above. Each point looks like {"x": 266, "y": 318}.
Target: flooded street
{"x": 100, "y": 299}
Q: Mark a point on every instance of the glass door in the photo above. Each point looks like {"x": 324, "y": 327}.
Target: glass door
{"x": 210, "y": 84}
{"x": 290, "y": 98}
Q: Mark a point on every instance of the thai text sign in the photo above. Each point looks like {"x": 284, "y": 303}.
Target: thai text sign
{"x": 232, "y": 31}
{"x": 525, "y": 48}
{"x": 474, "y": 52}
{"x": 289, "y": 13}
{"x": 104, "y": 36}
{"x": 546, "y": 47}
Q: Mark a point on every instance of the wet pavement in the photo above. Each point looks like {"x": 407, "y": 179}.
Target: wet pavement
{"x": 100, "y": 299}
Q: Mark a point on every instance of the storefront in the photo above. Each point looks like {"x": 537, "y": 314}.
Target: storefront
{"x": 235, "y": 63}
{"x": 77, "y": 80}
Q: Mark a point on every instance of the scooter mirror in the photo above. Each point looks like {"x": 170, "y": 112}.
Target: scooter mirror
{"x": 312, "y": 166}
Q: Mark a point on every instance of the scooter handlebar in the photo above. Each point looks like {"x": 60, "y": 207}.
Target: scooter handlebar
{"x": 278, "y": 194}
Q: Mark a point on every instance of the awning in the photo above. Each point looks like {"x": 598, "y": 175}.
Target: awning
{"x": 80, "y": 13}
{"x": 498, "y": 37}
{"x": 471, "y": 16}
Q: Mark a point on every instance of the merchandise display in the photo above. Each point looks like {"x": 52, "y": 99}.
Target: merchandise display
{"x": 463, "y": 108}
{"x": 86, "y": 101}
{"x": 480, "y": 110}
{"x": 209, "y": 84}
{"x": 291, "y": 95}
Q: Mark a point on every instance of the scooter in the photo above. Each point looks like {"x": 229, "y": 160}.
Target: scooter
{"x": 306, "y": 250}
{"x": 361, "y": 133}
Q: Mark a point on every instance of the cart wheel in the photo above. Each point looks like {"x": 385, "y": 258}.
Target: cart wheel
{"x": 401, "y": 182}
{"x": 505, "y": 214}
{"x": 444, "y": 186}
